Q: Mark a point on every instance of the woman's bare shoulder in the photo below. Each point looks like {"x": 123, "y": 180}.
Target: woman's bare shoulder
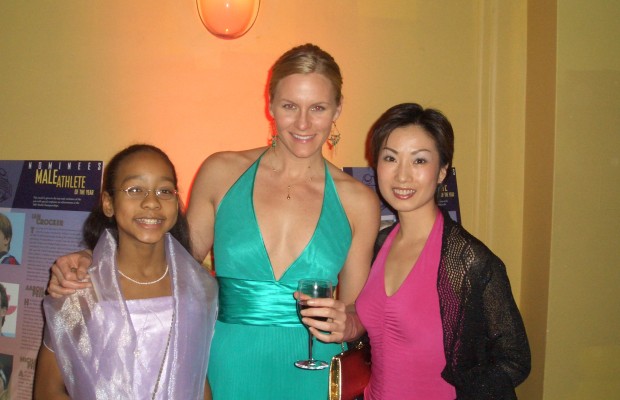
{"x": 232, "y": 159}
{"x": 225, "y": 165}
{"x": 220, "y": 170}
{"x": 361, "y": 204}
{"x": 353, "y": 193}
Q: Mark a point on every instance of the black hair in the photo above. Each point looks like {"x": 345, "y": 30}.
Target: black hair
{"x": 97, "y": 222}
{"x": 432, "y": 121}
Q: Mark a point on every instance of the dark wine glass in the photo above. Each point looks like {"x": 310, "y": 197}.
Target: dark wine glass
{"x": 314, "y": 288}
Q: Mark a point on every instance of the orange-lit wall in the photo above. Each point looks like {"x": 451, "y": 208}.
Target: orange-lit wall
{"x": 83, "y": 79}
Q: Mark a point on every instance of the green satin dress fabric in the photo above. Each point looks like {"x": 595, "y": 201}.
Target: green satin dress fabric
{"x": 245, "y": 302}
{"x": 258, "y": 335}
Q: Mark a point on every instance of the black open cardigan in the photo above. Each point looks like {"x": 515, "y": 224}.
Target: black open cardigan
{"x": 485, "y": 344}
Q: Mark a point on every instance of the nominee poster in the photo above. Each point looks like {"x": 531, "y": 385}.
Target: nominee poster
{"x": 43, "y": 205}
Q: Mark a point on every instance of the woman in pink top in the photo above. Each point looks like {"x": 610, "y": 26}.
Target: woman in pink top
{"x": 437, "y": 305}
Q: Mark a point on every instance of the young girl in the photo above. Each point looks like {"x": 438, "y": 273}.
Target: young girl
{"x": 143, "y": 331}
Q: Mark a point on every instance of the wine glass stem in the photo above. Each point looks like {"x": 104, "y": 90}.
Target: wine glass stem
{"x": 310, "y": 346}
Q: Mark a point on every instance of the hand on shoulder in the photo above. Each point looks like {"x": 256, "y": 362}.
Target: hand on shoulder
{"x": 69, "y": 273}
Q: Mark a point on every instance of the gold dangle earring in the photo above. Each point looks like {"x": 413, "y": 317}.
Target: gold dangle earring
{"x": 334, "y": 138}
{"x": 274, "y": 135}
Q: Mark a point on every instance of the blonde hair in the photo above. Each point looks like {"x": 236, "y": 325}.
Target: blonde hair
{"x": 306, "y": 59}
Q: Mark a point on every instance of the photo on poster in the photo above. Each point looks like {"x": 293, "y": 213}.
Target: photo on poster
{"x": 9, "y": 298}
{"x": 11, "y": 237}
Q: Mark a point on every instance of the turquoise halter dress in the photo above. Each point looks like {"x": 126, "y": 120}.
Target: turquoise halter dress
{"x": 258, "y": 335}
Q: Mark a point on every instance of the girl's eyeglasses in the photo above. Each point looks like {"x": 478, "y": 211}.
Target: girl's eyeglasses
{"x": 138, "y": 192}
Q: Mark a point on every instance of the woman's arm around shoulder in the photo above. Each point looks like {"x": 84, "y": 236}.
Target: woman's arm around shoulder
{"x": 48, "y": 382}
{"x": 69, "y": 273}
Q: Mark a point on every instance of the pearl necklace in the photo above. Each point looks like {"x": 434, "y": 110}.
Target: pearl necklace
{"x": 144, "y": 283}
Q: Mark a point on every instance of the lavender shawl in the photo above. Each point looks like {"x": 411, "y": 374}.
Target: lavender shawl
{"x": 95, "y": 349}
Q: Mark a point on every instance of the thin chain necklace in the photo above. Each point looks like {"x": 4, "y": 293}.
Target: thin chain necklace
{"x": 289, "y": 186}
{"x": 144, "y": 283}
